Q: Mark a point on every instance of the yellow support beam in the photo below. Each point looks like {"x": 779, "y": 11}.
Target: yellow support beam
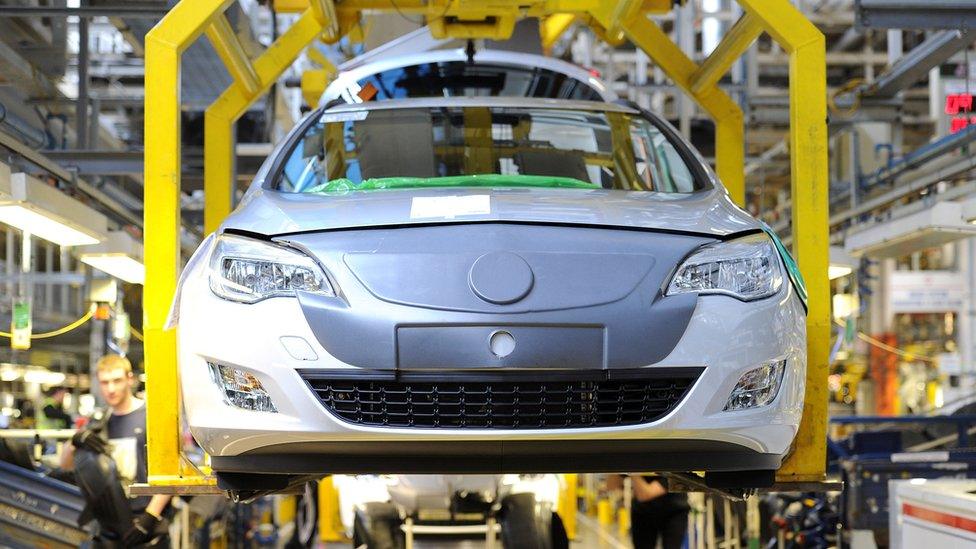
{"x": 808, "y": 171}
{"x": 184, "y": 23}
{"x": 553, "y": 27}
{"x": 231, "y": 52}
{"x": 219, "y": 118}
{"x": 190, "y": 18}
{"x": 742, "y": 34}
{"x": 325, "y": 13}
{"x": 567, "y": 506}
{"x": 729, "y": 132}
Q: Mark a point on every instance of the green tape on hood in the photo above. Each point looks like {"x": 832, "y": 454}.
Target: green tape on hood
{"x": 485, "y": 180}
{"x": 791, "y": 267}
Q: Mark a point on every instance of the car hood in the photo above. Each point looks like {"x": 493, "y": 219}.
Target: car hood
{"x": 274, "y": 213}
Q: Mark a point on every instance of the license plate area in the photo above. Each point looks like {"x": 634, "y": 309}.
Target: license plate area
{"x": 535, "y": 347}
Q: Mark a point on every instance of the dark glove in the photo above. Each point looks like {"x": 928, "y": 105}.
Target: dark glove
{"x": 143, "y": 528}
{"x": 89, "y": 440}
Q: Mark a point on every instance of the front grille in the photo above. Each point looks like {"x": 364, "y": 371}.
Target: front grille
{"x": 467, "y": 401}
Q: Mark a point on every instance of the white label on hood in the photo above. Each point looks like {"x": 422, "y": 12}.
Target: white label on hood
{"x": 449, "y": 206}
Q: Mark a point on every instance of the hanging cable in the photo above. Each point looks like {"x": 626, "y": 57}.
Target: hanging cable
{"x": 850, "y": 87}
{"x": 62, "y": 330}
{"x": 893, "y": 350}
{"x": 136, "y": 333}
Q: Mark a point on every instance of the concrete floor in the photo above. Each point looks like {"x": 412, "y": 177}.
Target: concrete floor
{"x": 589, "y": 536}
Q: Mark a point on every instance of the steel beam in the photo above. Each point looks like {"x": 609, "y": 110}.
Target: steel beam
{"x": 810, "y": 185}
{"x": 129, "y": 11}
{"x": 742, "y": 34}
{"x": 132, "y": 163}
{"x": 915, "y": 14}
{"x": 914, "y": 65}
{"x": 231, "y": 52}
{"x": 81, "y": 104}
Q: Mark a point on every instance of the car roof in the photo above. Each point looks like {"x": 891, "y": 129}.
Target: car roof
{"x": 481, "y": 101}
{"x": 352, "y": 72}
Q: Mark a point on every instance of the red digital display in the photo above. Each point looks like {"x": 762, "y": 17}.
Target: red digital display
{"x": 957, "y": 105}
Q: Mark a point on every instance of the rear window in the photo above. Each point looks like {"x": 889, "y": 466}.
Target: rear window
{"x": 458, "y": 78}
{"x": 368, "y": 150}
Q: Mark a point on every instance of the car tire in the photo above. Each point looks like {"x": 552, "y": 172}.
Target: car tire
{"x": 377, "y": 526}
{"x": 307, "y": 516}
{"x": 526, "y": 525}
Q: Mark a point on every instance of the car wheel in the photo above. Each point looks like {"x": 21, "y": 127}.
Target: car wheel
{"x": 377, "y": 526}
{"x": 307, "y": 516}
{"x": 526, "y": 525}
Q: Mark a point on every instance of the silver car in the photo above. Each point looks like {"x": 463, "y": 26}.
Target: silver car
{"x": 450, "y": 73}
{"x": 486, "y": 285}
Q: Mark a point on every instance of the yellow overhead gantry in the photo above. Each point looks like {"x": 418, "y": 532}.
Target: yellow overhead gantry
{"x": 330, "y": 21}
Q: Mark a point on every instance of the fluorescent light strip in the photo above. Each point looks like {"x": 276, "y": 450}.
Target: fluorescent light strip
{"x": 118, "y": 265}
{"x": 837, "y": 271}
{"x": 42, "y": 226}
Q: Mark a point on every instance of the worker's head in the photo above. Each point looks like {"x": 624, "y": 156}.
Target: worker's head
{"x": 56, "y": 393}
{"x": 115, "y": 379}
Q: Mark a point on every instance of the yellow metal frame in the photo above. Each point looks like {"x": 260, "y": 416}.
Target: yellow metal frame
{"x": 616, "y": 21}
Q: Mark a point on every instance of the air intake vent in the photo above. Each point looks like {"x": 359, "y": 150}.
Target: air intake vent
{"x": 469, "y": 400}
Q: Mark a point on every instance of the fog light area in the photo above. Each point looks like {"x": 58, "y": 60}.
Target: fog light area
{"x": 757, "y": 387}
{"x": 241, "y": 389}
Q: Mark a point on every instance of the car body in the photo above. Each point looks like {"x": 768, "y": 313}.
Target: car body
{"x": 449, "y": 72}
{"x": 381, "y": 302}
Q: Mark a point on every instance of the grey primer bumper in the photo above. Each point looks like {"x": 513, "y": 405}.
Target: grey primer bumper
{"x": 430, "y": 297}
{"x": 497, "y": 456}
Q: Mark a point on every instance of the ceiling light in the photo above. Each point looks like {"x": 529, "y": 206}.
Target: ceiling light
{"x": 42, "y": 210}
{"x": 120, "y": 255}
{"x": 837, "y": 271}
{"x": 26, "y": 218}
{"x": 43, "y": 377}
{"x": 841, "y": 263}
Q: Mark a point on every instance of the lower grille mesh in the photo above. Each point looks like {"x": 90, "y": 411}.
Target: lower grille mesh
{"x": 495, "y": 404}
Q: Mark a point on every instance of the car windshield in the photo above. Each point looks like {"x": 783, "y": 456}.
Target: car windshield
{"x": 460, "y": 78}
{"x": 369, "y": 150}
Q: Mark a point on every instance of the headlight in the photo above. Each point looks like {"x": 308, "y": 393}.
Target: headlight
{"x": 757, "y": 387}
{"x": 248, "y": 270}
{"x": 747, "y": 268}
{"x": 241, "y": 389}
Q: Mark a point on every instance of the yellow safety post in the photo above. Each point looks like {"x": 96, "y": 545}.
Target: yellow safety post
{"x": 285, "y": 509}
{"x": 219, "y": 118}
{"x": 604, "y": 512}
{"x": 808, "y": 172}
{"x": 567, "y": 506}
{"x": 330, "y": 523}
{"x": 164, "y": 45}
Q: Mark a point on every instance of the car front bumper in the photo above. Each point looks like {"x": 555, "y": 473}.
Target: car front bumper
{"x": 725, "y": 336}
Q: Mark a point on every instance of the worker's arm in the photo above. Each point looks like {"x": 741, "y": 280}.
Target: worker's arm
{"x": 68, "y": 456}
{"x": 53, "y": 412}
{"x": 158, "y": 504}
{"x": 645, "y": 490}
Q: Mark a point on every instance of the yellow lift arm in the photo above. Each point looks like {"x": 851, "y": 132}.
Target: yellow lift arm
{"x": 329, "y": 21}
